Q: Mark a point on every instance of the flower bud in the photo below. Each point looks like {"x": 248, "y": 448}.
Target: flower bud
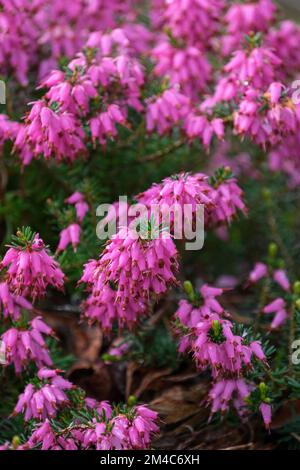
{"x": 296, "y": 288}
{"x": 131, "y": 400}
{"x": 189, "y": 290}
{"x": 273, "y": 250}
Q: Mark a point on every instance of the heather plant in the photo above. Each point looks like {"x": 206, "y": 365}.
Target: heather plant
{"x": 189, "y": 109}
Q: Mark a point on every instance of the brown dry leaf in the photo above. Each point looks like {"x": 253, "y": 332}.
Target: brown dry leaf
{"x": 94, "y": 378}
{"x": 285, "y": 414}
{"x": 178, "y": 403}
{"x": 151, "y": 378}
{"x": 182, "y": 377}
{"x": 87, "y": 341}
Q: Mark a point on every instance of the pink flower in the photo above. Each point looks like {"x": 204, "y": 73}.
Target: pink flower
{"x": 280, "y": 318}
{"x": 43, "y": 435}
{"x": 30, "y": 269}
{"x": 102, "y": 306}
{"x": 266, "y": 411}
{"x": 103, "y": 125}
{"x": 204, "y": 307}
{"x": 82, "y": 209}
{"x": 225, "y": 391}
{"x": 259, "y": 271}
{"x": 198, "y": 126}
{"x": 75, "y": 198}
{"x": 263, "y": 121}
{"x": 118, "y": 349}
{"x": 36, "y": 35}
{"x": 277, "y": 306}
{"x": 274, "y": 306}
{"x": 258, "y": 67}
{"x": 281, "y": 278}
{"x": 227, "y": 199}
{"x": 11, "y": 304}
{"x": 69, "y": 235}
{"x": 166, "y": 110}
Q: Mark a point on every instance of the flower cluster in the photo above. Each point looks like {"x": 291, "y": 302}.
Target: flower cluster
{"x": 71, "y": 234}
{"x": 209, "y": 333}
{"x": 284, "y": 40}
{"x": 140, "y": 261}
{"x": 183, "y": 191}
{"x": 110, "y": 429}
{"x": 266, "y": 118}
{"x": 167, "y": 110}
{"x": 186, "y": 67}
{"x": 129, "y": 272}
{"x": 227, "y": 198}
{"x": 226, "y": 390}
{"x": 43, "y": 400}
{"x": 30, "y": 269}
{"x": 50, "y": 29}
{"x": 245, "y": 18}
{"x": 192, "y": 20}
{"x": 20, "y": 346}
{"x": 272, "y": 273}
{"x": 51, "y": 132}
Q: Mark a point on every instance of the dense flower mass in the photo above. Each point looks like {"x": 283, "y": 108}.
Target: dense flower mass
{"x": 183, "y": 192}
{"x": 129, "y": 272}
{"x": 186, "y": 113}
{"x": 50, "y": 29}
{"x": 131, "y": 428}
{"x": 187, "y": 67}
{"x": 167, "y": 110}
{"x": 51, "y": 133}
{"x": 243, "y": 18}
{"x": 192, "y": 20}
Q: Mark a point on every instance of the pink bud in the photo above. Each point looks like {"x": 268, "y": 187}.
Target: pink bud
{"x": 277, "y": 304}
{"x": 260, "y": 270}
{"x": 281, "y": 278}
{"x": 266, "y": 412}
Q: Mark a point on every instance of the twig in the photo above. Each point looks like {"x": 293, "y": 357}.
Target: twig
{"x": 241, "y": 446}
{"x": 295, "y": 436}
{"x": 164, "y": 152}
